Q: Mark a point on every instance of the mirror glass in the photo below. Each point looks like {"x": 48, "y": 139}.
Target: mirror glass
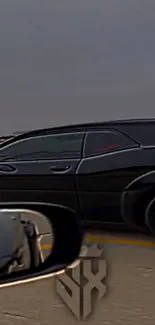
{"x": 26, "y": 240}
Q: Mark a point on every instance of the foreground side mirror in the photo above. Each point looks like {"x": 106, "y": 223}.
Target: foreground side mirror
{"x": 37, "y": 240}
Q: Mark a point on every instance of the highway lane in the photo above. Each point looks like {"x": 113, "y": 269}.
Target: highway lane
{"x": 130, "y": 285}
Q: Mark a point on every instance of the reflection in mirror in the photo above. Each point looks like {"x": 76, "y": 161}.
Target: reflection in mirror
{"x": 26, "y": 240}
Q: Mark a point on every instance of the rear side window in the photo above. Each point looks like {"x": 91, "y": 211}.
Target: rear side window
{"x": 102, "y": 142}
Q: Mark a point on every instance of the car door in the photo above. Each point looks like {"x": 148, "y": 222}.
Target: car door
{"x": 108, "y": 166}
{"x": 41, "y": 168}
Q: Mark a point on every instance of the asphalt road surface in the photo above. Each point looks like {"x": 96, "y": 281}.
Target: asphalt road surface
{"x": 130, "y": 283}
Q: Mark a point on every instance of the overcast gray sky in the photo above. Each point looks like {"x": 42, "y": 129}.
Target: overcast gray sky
{"x": 68, "y": 61}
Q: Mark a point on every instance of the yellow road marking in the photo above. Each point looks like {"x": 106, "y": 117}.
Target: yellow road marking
{"x": 123, "y": 241}
{"x": 112, "y": 240}
{"x": 45, "y": 246}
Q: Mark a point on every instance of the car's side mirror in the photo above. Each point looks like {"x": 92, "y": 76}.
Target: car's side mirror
{"x": 37, "y": 240}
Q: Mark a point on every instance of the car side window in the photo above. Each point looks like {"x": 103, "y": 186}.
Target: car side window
{"x": 57, "y": 146}
{"x": 102, "y": 142}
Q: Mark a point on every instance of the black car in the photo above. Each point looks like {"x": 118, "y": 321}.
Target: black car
{"x": 105, "y": 171}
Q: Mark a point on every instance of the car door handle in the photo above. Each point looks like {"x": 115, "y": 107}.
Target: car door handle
{"x": 7, "y": 168}
{"x": 60, "y": 169}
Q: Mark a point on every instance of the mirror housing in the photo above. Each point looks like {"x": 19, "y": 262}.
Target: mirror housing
{"x": 67, "y": 241}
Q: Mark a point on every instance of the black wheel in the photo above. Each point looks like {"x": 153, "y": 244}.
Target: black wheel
{"x": 135, "y": 200}
{"x": 150, "y": 217}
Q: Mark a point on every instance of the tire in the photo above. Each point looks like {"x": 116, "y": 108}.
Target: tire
{"x": 135, "y": 200}
{"x": 150, "y": 216}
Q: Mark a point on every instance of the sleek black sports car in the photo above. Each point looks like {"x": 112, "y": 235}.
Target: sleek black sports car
{"x": 105, "y": 171}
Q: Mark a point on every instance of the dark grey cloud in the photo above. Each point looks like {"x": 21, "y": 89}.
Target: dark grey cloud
{"x": 75, "y": 61}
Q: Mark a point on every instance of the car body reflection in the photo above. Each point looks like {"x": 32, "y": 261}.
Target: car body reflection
{"x": 21, "y": 239}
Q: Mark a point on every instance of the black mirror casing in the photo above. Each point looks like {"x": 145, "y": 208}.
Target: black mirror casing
{"x": 68, "y": 239}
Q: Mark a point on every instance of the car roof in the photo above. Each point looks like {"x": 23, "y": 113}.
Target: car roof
{"x": 77, "y": 128}
{"x": 70, "y": 127}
